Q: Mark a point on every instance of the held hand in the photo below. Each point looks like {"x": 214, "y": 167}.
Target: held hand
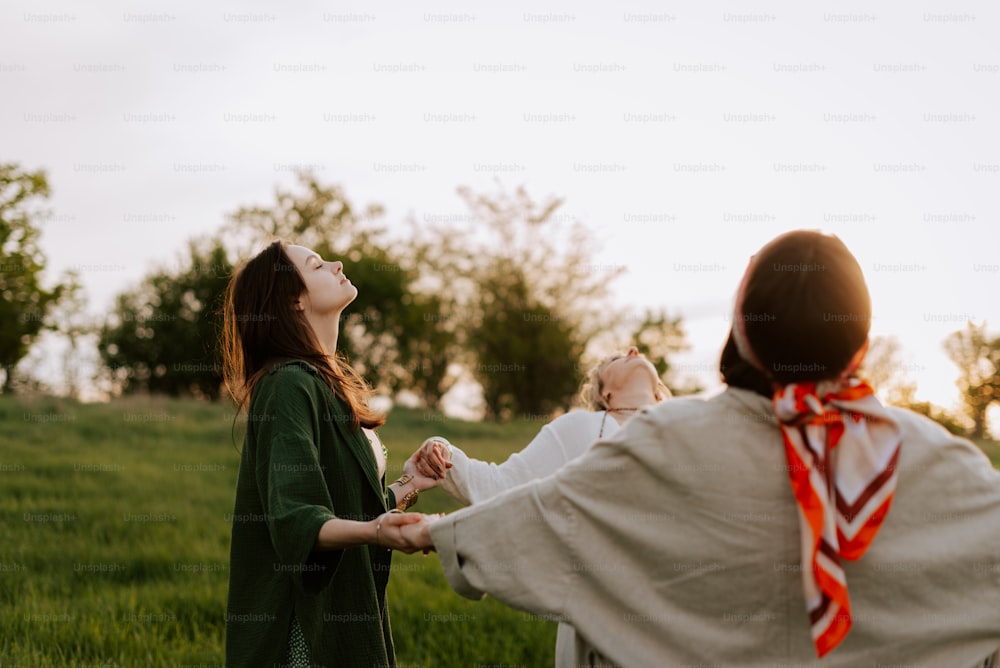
{"x": 429, "y": 464}
{"x": 418, "y": 534}
{"x": 402, "y": 531}
{"x": 433, "y": 459}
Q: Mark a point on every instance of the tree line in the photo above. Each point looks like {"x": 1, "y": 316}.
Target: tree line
{"x": 508, "y": 296}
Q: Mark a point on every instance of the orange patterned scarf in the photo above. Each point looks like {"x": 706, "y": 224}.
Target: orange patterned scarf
{"x": 842, "y": 448}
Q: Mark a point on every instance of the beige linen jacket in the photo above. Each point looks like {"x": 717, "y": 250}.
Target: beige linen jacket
{"x": 675, "y": 543}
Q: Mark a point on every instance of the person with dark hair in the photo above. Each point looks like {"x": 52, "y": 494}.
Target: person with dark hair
{"x": 788, "y": 519}
{"x": 313, "y": 523}
{"x": 737, "y": 372}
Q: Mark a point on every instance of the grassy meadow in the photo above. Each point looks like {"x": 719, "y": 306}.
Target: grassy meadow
{"x": 115, "y": 550}
{"x": 116, "y": 521}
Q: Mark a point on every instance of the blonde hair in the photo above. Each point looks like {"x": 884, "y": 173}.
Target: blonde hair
{"x": 592, "y": 390}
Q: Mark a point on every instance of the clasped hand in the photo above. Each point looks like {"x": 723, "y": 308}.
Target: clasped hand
{"x": 432, "y": 459}
{"x": 406, "y": 532}
{"x": 409, "y": 532}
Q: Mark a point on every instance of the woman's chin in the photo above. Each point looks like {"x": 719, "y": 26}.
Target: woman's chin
{"x": 349, "y": 299}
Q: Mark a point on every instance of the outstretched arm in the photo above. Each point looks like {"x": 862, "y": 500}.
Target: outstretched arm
{"x": 386, "y": 530}
{"x": 472, "y": 481}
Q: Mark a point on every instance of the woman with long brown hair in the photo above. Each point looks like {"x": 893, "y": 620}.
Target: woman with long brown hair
{"x": 313, "y": 524}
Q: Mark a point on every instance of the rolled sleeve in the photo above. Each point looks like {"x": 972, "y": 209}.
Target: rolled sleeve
{"x": 295, "y": 498}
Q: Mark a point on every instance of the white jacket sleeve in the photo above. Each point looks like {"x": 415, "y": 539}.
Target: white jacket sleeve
{"x": 474, "y": 481}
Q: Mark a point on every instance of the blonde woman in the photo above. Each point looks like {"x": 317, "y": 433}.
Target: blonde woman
{"x": 616, "y": 388}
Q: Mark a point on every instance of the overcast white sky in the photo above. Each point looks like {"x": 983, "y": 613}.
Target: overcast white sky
{"x": 684, "y": 134}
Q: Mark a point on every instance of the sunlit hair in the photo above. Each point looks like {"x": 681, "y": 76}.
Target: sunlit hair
{"x": 805, "y": 308}
{"x": 261, "y": 327}
{"x": 592, "y": 390}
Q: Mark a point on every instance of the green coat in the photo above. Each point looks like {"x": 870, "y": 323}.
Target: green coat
{"x": 301, "y": 466}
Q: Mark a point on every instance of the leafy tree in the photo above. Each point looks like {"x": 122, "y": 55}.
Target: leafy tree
{"x": 526, "y": 352}
{"x": 428, "y": 340}
{"x": 529, "y": 298}
{"x": 435, "y": 332}
{"x": 24, "y": 303}
{"x": 977, "y": 356}
{"x": 657, "y": 336}
{"x": 69, "y": 319}
{"x": 162, "y": 335}
{"x": 885, "y": 371}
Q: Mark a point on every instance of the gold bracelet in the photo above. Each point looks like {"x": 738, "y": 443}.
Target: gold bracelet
{"x": 408, "y": 501}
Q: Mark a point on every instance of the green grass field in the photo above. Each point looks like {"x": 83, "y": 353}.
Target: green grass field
{"x": 116, "y": 521}
{"x": 115, "y": 551}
